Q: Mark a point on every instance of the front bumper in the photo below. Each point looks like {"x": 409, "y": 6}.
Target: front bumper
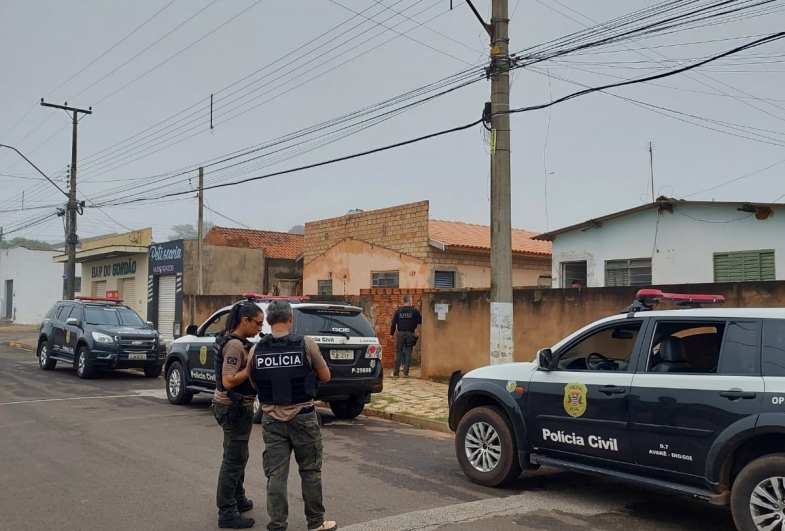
{"x": 123, "y": 359}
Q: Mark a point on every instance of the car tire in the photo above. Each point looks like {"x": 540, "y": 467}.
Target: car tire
{"x": 82, "y": 364}
{"x": 257, "y": 411}
{"x": 153, "y": 371}
{"x": 45, "y": 362}
{"x": 175, "y": 386}
{"x": 759, "y": 475}
{"x": 486, "y": 448}
{"x": 346, "y": 409}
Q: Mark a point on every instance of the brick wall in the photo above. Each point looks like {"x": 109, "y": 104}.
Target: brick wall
{"x": 403, "y": 229}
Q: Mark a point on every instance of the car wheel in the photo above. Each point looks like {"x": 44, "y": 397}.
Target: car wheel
{"x": 757, "y": 498}
{"x": 44, "y": 361}
{"x": 153, "y": 372}
{"x": 346, "y": 409}
{"x": 175, "y": 386}
{"x": 257, "y": 411}
{"x": 486, "y": 448}
{"x": 84, "y": 367}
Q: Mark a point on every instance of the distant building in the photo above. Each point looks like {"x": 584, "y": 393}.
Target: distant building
{"x": 672, "y": 241}
{"x": 400, "y": 247}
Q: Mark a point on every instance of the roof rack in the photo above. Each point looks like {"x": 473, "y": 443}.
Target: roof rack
{"x": 98, "y": 299}
{"x": 256, "y": 297}
{"x": 648, "y": 299}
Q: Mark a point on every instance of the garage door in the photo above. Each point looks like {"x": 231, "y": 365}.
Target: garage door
{"x": 99, "y": 289}
{"x": 129, "y": 292}
{"x": 166, "y": 302}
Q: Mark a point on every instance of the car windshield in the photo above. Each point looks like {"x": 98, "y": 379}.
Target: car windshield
{"x": 113, "y": 317}
{"x": 312, "y": 322}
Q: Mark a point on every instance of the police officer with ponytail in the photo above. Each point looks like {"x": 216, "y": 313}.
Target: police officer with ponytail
{"x": 233, "y": 409}
{"x": 285, "y": 369}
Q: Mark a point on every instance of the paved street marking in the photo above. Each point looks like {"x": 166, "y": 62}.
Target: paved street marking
{"x": 433, "y": 519}
{"x": 152, "y": 393}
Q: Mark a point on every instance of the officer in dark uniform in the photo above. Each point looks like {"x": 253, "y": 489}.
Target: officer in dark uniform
{"x": 284, "y": 369}
{"x": 233, "y": 410}
{"x": 406, "y": 319}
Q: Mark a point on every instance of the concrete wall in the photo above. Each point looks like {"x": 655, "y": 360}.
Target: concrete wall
{"x": 37, "y": 283}
{"x": 283, "y": 277}
{"x": 197, "y": 308}
{"x": 143, "y": 238}
{"x": 133, "y": 266}
{"x": 227, "y": 270}
{"x": 543, "y": 317}
{"x": 681, "y": 244}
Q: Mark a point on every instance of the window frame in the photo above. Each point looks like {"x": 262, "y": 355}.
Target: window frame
{"x": 320, "y": 283}
{"x": 444, "y": 271}
{"x": 629, "y": 260}
{"x": 566, "y": 282}
{"x": 758, "y": 252}
{"x": 635, "y": 356}
{"x": 397, "y": 273}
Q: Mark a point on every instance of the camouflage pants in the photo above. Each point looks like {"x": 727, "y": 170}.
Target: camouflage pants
{"x": 232, "y": 475}
{"x": 302, "y": 435}
{"x": 403, "y": 352}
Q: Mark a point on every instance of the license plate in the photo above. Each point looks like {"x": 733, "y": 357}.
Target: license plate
{"x": 137, "y": 356}
{"x": 341, "y": 354}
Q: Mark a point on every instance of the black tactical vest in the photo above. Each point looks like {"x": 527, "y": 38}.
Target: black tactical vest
{"x": 407, "y": 319}
{"x": 244, "y": 388}
{"x": 281, "y": 371}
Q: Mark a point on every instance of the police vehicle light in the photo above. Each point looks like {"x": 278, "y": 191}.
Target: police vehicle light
{"x": 647, "y": 294}
{"x": 374, "y": 352}
{"x": 291, "y": 298}
{"x": 97, "y": 299}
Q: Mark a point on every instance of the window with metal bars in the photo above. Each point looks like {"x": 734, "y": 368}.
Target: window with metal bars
{"x": 387, "y": 279}
{"x": 444, "y": 279}
{"x": 572, "y": 271}
{"x": 745, "y": 266}
{"x": 634, "y": 272}
{"x": 325, "y": 287}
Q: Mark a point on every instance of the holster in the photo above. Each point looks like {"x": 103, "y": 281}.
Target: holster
{"x": 236, "y": 410}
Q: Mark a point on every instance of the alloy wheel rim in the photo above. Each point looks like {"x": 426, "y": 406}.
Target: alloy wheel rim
{"x": 767, "y": 504}
{"x": 81, "y": 362}
{"x": 174, "y": 383}
{"x": 483, "y": 447}
{"x": 44, "y": 354}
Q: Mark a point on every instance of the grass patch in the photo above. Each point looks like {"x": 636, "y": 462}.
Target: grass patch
{"x": 441, "y": 419}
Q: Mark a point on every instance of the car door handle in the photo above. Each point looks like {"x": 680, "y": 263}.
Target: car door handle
{"x": 736, "y": 394}
{"x": 612, "y": 390}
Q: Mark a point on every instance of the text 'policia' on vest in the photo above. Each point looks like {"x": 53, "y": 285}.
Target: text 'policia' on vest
{"x": 281, "y": 371}
{"x": 244, "y": 388}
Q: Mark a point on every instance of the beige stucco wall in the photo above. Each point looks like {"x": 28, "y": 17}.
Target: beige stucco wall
{"x": 471, "y": 276}
{"x": 227, "y": 270}
{"x": 350, "y": 263}
{"x": 143, "y": 238}
{"x": 108, "y": 270}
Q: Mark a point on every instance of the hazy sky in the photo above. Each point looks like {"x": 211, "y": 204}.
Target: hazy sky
{"x": 597, "y": 146}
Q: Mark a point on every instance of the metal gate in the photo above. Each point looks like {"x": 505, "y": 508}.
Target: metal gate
{"x": 129, "y": 293}
{"x": 166, "y": 305}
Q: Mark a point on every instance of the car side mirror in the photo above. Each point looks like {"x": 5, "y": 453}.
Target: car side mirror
{"x": 191, "y": 330}
{"x": 151, "y": 325}
{"x": 545, "y": 358}
{"x": 72, "y": 321}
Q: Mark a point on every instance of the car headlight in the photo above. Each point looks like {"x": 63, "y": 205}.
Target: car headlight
{"x": 103, "y": 338}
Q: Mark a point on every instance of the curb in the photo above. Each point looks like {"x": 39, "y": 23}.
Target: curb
{"x": 21, "y": 346}
{"x": 418, "y": 422}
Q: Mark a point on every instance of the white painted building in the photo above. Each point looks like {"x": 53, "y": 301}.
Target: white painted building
{"x": 30, "y": 283}
{"x": 672, "y": 242}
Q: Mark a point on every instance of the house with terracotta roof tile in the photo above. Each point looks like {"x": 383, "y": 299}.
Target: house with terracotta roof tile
{"x": 401, "y": 247}
{"x": 282, "y": 256}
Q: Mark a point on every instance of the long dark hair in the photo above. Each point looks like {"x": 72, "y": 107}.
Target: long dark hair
{"x": 243, "y": 309}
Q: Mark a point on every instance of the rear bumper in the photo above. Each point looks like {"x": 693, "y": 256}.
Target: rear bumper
{"x": 343, "y": 389}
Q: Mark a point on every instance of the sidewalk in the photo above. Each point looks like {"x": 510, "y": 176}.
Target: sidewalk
{"x": 19, "y": 336}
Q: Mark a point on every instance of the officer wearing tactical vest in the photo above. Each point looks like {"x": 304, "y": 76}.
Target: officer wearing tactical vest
{"x": 284, "y": 368}
{"x": 233, "y": 409}
{"x": 406, "y": 319}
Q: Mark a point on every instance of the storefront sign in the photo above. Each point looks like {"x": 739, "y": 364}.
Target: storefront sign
{"x": 166, "y": 258}
{"x": 119, "y": 269}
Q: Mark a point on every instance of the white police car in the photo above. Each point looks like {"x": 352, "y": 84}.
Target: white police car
{"x": 690, "y": 401}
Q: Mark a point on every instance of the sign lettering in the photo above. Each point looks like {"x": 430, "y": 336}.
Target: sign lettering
{"x": 118, "y": 269}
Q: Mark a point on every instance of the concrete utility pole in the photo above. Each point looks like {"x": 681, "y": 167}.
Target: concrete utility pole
{"x": 200, "y": 230}
{"x": 73, "y": 205}
{"x": 501, "y": 350}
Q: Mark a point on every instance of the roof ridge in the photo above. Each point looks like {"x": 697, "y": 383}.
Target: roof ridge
{"x": 479, "y": 225}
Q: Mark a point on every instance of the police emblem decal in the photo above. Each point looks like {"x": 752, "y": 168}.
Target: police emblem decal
{"x": 511, "y": 385}
{"x": 575, "y": 399}
{"x": 203, "y": 355}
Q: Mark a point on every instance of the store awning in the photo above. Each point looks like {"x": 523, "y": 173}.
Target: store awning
{"x": 103, "y": 253}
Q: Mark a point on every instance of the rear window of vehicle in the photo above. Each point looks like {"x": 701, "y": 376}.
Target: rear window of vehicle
{"x": 774, "y": 347}
{"x": 113, "y": 317}
{"x": 314, "y": 322}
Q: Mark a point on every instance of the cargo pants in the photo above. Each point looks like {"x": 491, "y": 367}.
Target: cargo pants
{"x": 232, "y": 475}
{"x": 403, "y": 352}
{"x": 303, "y": 435}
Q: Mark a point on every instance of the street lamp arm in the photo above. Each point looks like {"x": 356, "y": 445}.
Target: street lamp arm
{"x": 36, "y": 167}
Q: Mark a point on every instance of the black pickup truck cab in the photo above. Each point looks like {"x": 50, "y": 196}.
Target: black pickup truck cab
{"x": 690, "y": 401}
{"x": 94, "y": 333}
{"x": 345, "y": 338}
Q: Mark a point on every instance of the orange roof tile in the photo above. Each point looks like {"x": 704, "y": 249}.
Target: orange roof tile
{"x": 457, "y": 234}
{"x": 275, "y": 244}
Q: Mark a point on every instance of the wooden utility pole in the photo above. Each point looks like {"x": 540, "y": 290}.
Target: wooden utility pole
{"x": 73, "y": 205}
{"x": 200, "y": 231}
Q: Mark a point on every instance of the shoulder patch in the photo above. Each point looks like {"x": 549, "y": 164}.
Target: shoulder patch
{"x": 231, "y": 361}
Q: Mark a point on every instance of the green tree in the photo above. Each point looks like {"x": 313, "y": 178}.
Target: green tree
{"x": 297, "y": 229}
{"x": 188, "y": 231}
{"x": 25, "y": 242}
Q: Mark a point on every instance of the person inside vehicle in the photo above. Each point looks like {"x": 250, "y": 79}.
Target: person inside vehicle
{"x": 233, "y": 410}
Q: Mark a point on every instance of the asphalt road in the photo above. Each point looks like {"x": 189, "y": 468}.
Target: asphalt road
{"x": 113, "y": 454}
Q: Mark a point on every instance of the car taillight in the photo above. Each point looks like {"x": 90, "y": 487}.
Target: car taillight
{"x": 374, "y": 352}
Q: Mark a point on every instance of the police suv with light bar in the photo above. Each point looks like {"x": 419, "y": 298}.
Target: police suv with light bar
{"x": 345, "y": 337}
{"x": 99, "y": 333}
{"x": 690, "y": 401}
